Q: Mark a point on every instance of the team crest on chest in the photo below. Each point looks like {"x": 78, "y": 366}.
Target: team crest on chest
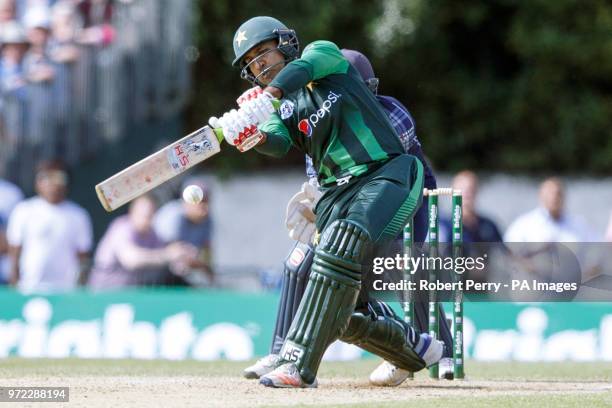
{"x": 286, "y": 109}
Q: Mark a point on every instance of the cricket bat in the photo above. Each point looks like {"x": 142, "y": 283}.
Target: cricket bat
{"x": 159, "y": 167}
{"x": 169, "y": 162}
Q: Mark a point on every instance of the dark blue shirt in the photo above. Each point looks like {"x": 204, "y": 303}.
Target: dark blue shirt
{"x": 485, "y": 231}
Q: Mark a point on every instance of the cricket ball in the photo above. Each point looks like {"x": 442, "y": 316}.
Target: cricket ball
{"x": 193, "y": 194}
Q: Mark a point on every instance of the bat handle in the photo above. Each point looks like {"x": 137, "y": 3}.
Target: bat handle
{"x": 219, "y": 134}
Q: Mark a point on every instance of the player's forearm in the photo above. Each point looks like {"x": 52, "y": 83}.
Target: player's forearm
{"x": 274, "y": 145}
{"x": 277, "y": 141}
{"x": 293, "y": 77}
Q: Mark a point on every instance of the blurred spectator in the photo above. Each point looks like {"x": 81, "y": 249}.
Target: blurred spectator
{"x": 8, "y": 11}
{"x": 62, "y": 44}
{"x": 532, "y": 237}
{"x": 65, "y": 54}
{"x": 49, "y": 236}
{"x": 13, "y": 97}
{"x": 14, "y": 46}
{"x": 476, "y": 227}
{"x": 97, "y": 18}
{"x": 37, "y": 64}
{"x": 548, "y": 222}
{"x": 39, "y": 73}
{"x": 179, "y": 221}
{"x": 130, "y": 253}
{"x": 10, "y": 195}
{"x": 57, "y": 102}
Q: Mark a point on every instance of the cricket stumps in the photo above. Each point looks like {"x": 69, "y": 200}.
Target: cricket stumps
{"x": 457, "y": 252}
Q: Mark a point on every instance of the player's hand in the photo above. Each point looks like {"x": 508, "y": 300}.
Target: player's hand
{"x": 256, "y": 91}
{"x": 275, "y": 92}
{"x": 249, "y": 94}
{"x": 300, "y": 217}
{"x": 240, "y": 126}
{"x": 259, "y": 107}
{"x": 239, "y": 129}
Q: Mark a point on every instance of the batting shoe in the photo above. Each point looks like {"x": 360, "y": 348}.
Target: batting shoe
{"x": 388, "y": 375}
{"x": 262, "y": 366}
{"x": 446, "y": 369}
{"x": 286, "y": 376}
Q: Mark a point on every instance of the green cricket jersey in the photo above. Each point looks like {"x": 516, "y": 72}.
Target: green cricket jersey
{"x": 328, "y": 112}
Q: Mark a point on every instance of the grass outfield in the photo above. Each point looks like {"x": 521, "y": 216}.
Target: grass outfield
{"x": 96, "y": 383}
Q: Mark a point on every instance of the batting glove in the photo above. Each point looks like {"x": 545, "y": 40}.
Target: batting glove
{"x": 240, "y": 126}
{"x": 249, "y": 94}
{"x": 259, "y": 107}
{"x": 238, "y": 129}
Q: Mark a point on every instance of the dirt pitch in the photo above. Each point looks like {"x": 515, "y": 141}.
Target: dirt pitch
{"x": 193, "y": 384}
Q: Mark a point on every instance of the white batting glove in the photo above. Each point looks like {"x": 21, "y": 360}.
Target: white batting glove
{"x": 300, "y": 217}
{"x": 249, "y": 94}
{"x": 259, "y": 108}
{"x": 257, "y": 103}
{"x": 240, "y": 126}
{"x": 238, "y": 129}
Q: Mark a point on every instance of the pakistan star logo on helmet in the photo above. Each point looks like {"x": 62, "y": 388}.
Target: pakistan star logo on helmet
{"x": 240, "y": 37}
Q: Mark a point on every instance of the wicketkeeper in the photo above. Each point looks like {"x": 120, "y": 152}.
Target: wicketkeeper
{"x": 370, "y": 189}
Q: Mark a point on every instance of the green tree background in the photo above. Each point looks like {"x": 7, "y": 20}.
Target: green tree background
{"x": 498, "y": 85}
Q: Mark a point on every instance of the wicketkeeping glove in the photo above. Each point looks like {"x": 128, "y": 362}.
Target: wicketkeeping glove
{"x": 299, "y": 217}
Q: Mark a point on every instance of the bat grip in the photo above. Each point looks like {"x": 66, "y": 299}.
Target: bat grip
{"x": 219, "y": 134}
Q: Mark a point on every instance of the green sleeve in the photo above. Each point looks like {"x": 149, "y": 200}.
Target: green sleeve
{"x": 319, "y": 59}
{"x": 278, "y": 142}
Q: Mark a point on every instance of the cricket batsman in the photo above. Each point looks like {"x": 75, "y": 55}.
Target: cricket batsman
{"x": 370, "y": 188}
{"x": 299, "y": 221}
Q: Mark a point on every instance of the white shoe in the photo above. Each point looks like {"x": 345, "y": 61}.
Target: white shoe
{"x": 388, "y": 375}
{"x": 286, "y": 376}
{"x": 446, "y": 369}
{"x": 262, "y": 367}
{"x": 431, "y": 351}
